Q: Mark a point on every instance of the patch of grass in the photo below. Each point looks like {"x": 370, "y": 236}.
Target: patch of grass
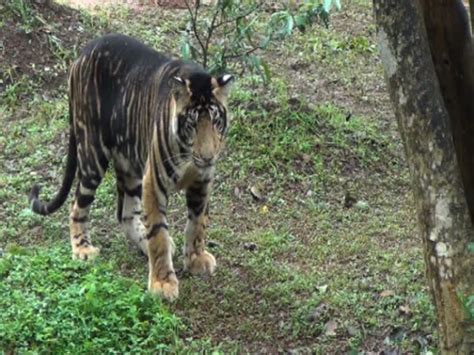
{"x": 24, "y": 11}
{"x": 157, "y": 27}
{"x": 53, "y": 304}
{"x": 16, "y": 90}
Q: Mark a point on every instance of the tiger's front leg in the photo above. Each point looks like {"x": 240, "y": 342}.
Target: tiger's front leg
{"x": 196, "y": 259}
{"x": 162, "y": 278}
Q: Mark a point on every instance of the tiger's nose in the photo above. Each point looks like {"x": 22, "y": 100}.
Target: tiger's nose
{"x": 208, "y": 160}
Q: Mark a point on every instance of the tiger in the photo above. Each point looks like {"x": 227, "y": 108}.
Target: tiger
{"x": 162, "y": 122}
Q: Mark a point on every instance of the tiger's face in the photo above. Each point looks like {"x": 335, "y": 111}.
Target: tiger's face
{"x": 201, "y": 116}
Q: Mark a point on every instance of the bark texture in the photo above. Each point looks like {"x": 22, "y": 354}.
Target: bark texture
{"x": 471, "y": 9}
{"x": 449, "y": 37}
{"x": 443, "y": 215}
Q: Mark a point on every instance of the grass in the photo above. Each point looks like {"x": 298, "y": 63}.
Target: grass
{"x": 55, "y": 305}
{"x": 314, "y": 139}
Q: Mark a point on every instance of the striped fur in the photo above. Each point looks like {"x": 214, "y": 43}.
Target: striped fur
{"x": 162, "y": 123}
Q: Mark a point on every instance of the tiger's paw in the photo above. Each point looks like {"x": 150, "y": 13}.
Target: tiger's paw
{"x": 168, "y": 288}
{"x": 203, "y": 263}
{"x": 86, "y": 252}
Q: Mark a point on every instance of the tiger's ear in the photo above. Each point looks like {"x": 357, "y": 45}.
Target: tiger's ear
{"x": 222, "y": 85}
{"x": 180, "y": 87}
{"x": 224, "y": 80}
{"x": 178, "y": 80}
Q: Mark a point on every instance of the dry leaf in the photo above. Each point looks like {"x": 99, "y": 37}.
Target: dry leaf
{"x": 405, "y": 309}
{"x": 322, "y": 289}
{"x": 386, "y": 293}
{"x": 237, "y": 192}
{"x": 256, "y": 194}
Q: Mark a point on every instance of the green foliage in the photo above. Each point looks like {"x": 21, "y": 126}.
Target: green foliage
{"x": 470, "y": 247}
{"x": 238, "y": 30}
{"x": 469, "y": 303}
{"x": 53, "y": 304}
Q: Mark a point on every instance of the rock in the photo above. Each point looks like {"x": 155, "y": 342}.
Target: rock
{"x": 349, "y": 200}
{"x": 318, "y": 313}
{"x": 352, "y": 330}
{"x": 250, "y": 246}
{"x": 212, "y": 244}
{"x": 330, "y": 328}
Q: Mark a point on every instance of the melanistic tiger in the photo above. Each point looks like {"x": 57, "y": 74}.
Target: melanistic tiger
{"x": 162, "y": 122}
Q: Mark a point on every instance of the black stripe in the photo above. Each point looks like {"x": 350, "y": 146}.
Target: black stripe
{"x": 165, "y": 161}
{"x": 199, "y": 191}
{"x": 87, "y": 183}
{"x": 205, "y": 181}
{"x": 84, "y": 200}
{"x": 82, "y": 242}
{"x": 183, "y": 149}
{"x": 79, "y": 220}
{"x": 157, "y": 177}
{"x": 136, "y": 192}
{"x": 155, "y": 229}
{"x": 196, "y": 198}
{"x": 195, "y": 203}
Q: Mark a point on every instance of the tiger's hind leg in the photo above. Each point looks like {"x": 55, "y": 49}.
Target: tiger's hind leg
{"x": 131, "y": 212}
{"x": 82, "y": 247}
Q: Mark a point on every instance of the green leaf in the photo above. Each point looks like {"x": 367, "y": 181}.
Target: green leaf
{"x": 470, "y": 247}
{"x": 289, "y": 24}
{"x": 327, "y": 5}
{"x": 265, "y": 42}
{"x": 266, "y": 71}
{"x": 185, "y": 50}
{"x": 194, "y": 52}
{"x": 300, "y": 22}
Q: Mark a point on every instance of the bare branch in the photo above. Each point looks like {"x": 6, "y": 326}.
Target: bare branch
{"x": 194, "y": 18}
{"x": 250, "y": 51}
{"x": 211, "y": 28}
{"x": 239, "y": 17}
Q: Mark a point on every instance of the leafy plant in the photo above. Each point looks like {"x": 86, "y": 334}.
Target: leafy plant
{"x": 238, "y": 30}
{"x": 52, "y": 304}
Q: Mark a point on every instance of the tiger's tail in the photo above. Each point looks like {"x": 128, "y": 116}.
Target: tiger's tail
{"x": 46, "y": 208}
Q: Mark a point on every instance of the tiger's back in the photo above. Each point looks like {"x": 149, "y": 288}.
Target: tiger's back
{"x": 119, "y": 101}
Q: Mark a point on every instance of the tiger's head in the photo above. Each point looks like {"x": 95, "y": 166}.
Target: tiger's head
{"x": 201, "y": 121}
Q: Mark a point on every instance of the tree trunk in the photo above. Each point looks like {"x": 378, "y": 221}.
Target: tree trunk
{"x": 449, "y": 37}
{"x": 471, "y": 9}
{"x": 444, "y": 221}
